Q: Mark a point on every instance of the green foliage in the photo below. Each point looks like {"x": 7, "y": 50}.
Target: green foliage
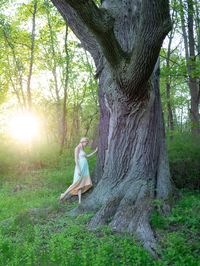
{"x": 180, "y": 231}
{"x": 47, "y": 235}
{"x": 184, "y": 158}
{"x": 59, "y": 65}
{"x": 62, "y": 241}
{"x": 25, "y": 191}
{"x": 36, "y": 230}
{"x": 19, "y": 158}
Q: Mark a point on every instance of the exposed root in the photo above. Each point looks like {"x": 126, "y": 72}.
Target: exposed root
{"x": 105, "y": 213}
{"x": 145, "y": 234}
{"x": 133, "y": 219}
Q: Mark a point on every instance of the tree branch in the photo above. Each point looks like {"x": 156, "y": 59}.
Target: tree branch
{"x": 100, "y": 23}
{"x": 80, "y": 30}
{"x": 154, "y": 25}
{"x": 95, "y": 25}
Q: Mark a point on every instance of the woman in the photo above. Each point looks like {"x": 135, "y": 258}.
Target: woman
{"x": 82, "y": 181}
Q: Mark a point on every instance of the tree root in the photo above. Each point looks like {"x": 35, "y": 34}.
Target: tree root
{"x": 124, "y": 218}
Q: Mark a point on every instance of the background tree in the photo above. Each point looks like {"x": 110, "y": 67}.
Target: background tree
{"x": 168, "y": 75}
{"x": 191, "y": 60}
{"x": 20, "y": 48}
{"x": 40, "y": 71}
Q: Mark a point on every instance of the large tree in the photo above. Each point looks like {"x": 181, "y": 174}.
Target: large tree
{"x": 124, "y": 38}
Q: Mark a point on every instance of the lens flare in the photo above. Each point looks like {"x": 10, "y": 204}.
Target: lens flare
{"x": 24, "y": 127}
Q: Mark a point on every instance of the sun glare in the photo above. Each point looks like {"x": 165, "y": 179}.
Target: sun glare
{"x": 24, "y": 127}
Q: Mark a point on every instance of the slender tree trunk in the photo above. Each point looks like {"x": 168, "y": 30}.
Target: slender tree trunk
{"x": 75, "y": 127}
{"x": 59, "y": 109}
{"x": 181, "y": 119}
{"x": 197, "y": 19}
{"x": 89, "y": 123}
{"x": 17, "y": 75}
{"x": 14, "y": 86}
{"x": 170, "y": 120}
{"x": 190, "y": 61}
{"x": 194, "y": 90}
{"x": 29, "y": 97}
{"x": 64, "y": 114}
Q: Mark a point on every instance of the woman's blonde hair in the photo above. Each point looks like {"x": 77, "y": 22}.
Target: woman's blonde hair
{"x": 84, "y": 139}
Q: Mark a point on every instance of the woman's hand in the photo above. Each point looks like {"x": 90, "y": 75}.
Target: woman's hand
{"x": 89, "y": 155}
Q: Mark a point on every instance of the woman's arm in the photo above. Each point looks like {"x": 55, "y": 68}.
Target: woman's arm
{"x": 89, "y": 155}
{"x": 76, "y": 152}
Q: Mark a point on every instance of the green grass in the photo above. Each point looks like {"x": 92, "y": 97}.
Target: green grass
{"x": 180, "y": 232}
{"x": 37, "y": 189}
{"x": 36, "y": 230}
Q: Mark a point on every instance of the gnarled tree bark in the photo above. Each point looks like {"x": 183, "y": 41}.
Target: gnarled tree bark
{"x": 124, "y": 38}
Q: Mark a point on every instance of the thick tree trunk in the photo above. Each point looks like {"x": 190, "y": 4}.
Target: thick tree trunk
{"x": 170, "y": 120}
{"x": 132, "y": 166}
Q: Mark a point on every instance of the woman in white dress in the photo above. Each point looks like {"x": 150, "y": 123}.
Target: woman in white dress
{"x": 82, "y": 181}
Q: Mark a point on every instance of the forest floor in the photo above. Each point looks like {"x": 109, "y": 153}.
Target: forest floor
{"x": 35, "y": 229}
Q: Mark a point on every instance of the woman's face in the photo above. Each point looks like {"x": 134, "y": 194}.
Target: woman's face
{"x": 84, "y": 143}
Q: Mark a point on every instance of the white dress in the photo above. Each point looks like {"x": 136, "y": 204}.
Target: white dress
{"x": 82, "y": 182}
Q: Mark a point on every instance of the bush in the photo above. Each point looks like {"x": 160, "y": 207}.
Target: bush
{"x": 184, "y": 159}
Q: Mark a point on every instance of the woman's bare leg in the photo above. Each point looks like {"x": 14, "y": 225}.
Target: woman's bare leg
{"x": 79, "y": 196}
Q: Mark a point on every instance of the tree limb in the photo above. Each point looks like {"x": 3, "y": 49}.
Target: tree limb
{"x": 100, "y": 23}
{"x": 154, "y": 25}
{"x": 134, "y": 69}
{"x": 78, "y": 27}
